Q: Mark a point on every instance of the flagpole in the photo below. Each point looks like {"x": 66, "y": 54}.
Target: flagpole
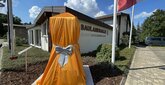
{"x": 10, "y": 24}
{"x": 114, "y": 32}
{"x": 132, "y": 18}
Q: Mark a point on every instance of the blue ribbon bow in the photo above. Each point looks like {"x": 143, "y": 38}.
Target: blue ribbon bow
{"x": 64, "y": 52}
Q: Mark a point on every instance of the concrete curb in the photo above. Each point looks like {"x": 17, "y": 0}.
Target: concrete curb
{"x": 124, "y": 78}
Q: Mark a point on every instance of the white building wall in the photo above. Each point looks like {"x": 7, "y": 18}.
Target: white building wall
{"x": 34, "y": 36}
{"x": 29, "y": 37}
{"x": 89, "y": 41}
{"x": 123, "y": 24}
{"x": 123, "y": 27}
{"x": 44, "y": 37}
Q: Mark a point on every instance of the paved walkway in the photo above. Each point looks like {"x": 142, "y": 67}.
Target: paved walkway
{"x": 148, "y": 67}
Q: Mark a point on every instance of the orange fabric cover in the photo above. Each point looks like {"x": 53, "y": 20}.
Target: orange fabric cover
{"x": 65, "y": 30}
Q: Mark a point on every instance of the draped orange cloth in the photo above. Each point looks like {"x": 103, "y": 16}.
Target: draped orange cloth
{"x": 65, "y": 30}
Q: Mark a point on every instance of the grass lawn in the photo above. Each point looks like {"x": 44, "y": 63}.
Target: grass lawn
{"x": 102, "y": 73}
{"x": 34, "y": 55}
{"x": 125, "y": 58}
{"x": 37, "y": 55}
{"x": 122, "y": 62}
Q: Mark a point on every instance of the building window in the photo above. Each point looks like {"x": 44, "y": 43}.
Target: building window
{"x": 156, "y": 39}
{"x": 44, "y": 29}
{"x": 31, "y": 37}
{"x": 38, "y": 37}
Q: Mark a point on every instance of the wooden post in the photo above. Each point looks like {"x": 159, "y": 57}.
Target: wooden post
{"x": 25, "y": 51}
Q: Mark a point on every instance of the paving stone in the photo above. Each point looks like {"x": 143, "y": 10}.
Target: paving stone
{"x": 146, "y": 68}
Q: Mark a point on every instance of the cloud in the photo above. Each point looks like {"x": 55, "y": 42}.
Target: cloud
{"x": 101, "y": 13}
{"x": 88, "y": 7}
{"x": 144, "y": 14}
{"x": 110, "y": 7}
{"x": 34, "y": 11}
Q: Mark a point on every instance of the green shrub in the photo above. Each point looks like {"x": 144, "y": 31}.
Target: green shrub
{"x": 104, "y": 53}
{"x": 125, "y": 40}
{"x": 20, "y": 41}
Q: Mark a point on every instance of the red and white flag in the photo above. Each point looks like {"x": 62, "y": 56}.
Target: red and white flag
{"x": 125, "y": 4}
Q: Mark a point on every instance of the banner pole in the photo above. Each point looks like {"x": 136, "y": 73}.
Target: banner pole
{"x": 114, "y": 32}
{"x": 132, "y": 18}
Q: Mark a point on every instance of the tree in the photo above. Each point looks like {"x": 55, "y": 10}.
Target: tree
{"x": 154, "y": 25}
{"x": 138, "y": 32}
{"x": 134, "y": 34}
{"x": 138, "y": 27}
{"x": 27, "y": 23}
{"x": 16, "y": 20}
{"x": 3, "y": 19}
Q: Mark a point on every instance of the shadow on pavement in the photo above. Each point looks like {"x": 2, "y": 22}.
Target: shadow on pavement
{"x": 160, "y": 67}
{"x": 141, "y": 45}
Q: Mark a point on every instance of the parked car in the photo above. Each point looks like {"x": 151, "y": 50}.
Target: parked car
{"x": 155, "y": 41}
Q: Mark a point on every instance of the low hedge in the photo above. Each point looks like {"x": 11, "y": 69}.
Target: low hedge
{"x": 104, "y": 52}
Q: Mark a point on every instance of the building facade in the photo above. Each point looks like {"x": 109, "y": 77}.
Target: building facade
{"x": 19, "y": 30}
{"x": 123, "y": 24}
{"x": 92, "y": 32}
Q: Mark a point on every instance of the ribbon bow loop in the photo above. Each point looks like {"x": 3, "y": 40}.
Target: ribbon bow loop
{"x": 64, "y": 53}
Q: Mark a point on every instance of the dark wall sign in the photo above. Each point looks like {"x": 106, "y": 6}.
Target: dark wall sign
{"x": 92, "y": 29}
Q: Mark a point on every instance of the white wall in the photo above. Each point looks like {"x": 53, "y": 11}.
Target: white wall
{"x": 123, "y": 26}
{"x": 44, "y": 37}
{"x": 89, "y": 40}
{"x": 110, "y": 23}
{"x": 34, "y": 36}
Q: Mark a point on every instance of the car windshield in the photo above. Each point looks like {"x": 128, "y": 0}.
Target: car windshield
{"x": 156, "y": 39}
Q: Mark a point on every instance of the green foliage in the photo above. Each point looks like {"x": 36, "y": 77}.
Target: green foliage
{"x": 154, "y": 25}
{"x": 3, "y": 30}
{"x": 125, "y": 39}
{"x": 20, "y": 41}
{"x": 104, "y": 53}
{"x": 3, "y": 19}
{"x": 34, "y": 55}
{"x": 27, "y": 23}
{"x": 124, "y": 61}
{"x": 138, "y": 32}
{"x": 17, "y": 20}
{"x": 134, "y": 34}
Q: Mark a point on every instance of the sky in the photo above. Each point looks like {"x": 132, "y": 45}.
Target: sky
{"x": 28, "y": 10}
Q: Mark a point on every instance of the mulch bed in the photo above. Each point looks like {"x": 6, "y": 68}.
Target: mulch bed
{"x": 102, "y": 73}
